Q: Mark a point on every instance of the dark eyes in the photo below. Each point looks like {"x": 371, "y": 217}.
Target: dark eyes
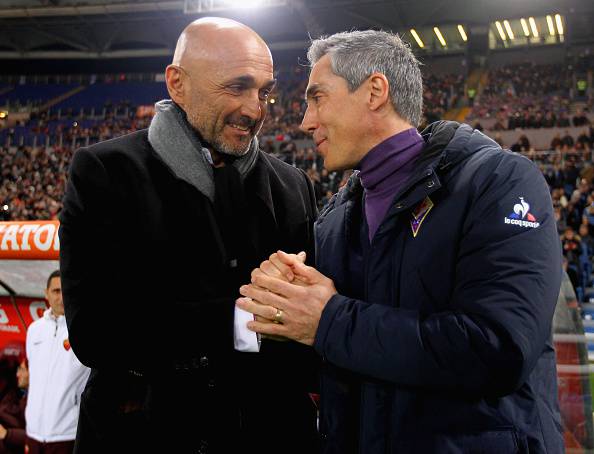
{"x": 236, "y": 88}
{"x": 239, "y": 89}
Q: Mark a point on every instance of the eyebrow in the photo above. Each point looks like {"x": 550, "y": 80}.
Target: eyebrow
{"x": 312, "y": 90}
{"x": 249, "y": 81}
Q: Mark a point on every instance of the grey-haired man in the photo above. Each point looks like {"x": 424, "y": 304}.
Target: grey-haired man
{"x": 437, "y": 271}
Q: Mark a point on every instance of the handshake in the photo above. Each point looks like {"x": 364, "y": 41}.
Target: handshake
{"x": 286, "y": 297}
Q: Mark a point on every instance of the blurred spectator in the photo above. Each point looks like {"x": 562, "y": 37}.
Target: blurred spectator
{"x": 580, "y": 119}
{"x": 587, "y": 240}
{"x": 563, "y": 121}
{"x": 585, "y": 139}
{"x": 571, "y": 246}
{"x": 12, "y": 418}
{"x": 572, "y": 273}
{"x": 522, "y": 145}
{"x": 567, "y": 140}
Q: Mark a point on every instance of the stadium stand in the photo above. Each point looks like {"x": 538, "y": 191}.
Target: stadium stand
{"x": 32, "y": 95}
{"x": 104, "y": 110}
{"x": 97, "y": 97}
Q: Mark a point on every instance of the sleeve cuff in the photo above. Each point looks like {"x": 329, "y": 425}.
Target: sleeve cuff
{"x": 244, "y": 339}
{"x": 326, "y": 319}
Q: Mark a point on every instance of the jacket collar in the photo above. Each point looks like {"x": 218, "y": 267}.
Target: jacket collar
{"x": 446, "y": 144}
{"x": 47, "y": 315}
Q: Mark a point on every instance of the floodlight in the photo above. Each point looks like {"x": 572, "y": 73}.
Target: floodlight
{"x": 525, "y": 27}
{"x": 243, "y": 3}
{"x": 500, "y": 30}
{"x": 559, "y": 24}
{"x": 551, "y": 26}
{"x": 462, "y": 33}
{"x": 417, "y": 37}
{"x": 439, "y": 36}
{"x": 508, "y": 29}
{"x": 209, "y": 6}
{"x": 533, "y": 27}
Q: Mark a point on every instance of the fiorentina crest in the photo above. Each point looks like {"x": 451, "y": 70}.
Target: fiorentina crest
{"x": 419, "y": 214}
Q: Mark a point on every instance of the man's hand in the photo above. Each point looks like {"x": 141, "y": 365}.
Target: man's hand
{"x": 301, "y": 305}
{"x": 3, "y": 432}
{"x": 274, "y": 267}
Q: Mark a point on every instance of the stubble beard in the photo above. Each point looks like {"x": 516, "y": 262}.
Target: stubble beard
{"x": 216, "y": 140}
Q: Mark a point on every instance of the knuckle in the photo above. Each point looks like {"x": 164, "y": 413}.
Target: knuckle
{"x": 301, "y": 292}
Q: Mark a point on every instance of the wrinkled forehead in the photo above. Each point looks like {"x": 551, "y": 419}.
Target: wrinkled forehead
{"x": 321, "y": 77}
{"x": 236, "y": 57}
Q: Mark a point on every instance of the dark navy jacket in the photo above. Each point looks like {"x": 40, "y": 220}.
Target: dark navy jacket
{"x": 440, "y": 342}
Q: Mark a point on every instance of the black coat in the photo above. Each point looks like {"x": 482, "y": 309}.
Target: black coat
{"x": 439, "y": 340}
{"x": 149, "y": 293}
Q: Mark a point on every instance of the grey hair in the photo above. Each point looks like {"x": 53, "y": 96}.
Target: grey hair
{"x": 356, "y": 55}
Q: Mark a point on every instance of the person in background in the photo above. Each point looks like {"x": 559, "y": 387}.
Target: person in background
{"x": 56, "y": 379}
{"x": 12, "y": 418}
{"x": 587, "y": 239}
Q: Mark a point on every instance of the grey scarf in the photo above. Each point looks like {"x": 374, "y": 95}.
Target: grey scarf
{"x": 178, "y": 145}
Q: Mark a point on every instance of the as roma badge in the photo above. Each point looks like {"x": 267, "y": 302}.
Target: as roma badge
{"x": 66, "y": 344}
{"x": 419, "y": 214}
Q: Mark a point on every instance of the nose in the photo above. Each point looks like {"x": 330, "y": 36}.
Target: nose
{"x": 310, "y": 122}
{"x": 252, "y": 106}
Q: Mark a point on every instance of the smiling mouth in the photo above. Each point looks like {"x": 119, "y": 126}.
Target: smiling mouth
{"x": 238, "y": 127}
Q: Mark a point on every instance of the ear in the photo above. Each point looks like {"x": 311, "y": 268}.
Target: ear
{"x": 175, "y": 80}
{"x": 379, "y": 91}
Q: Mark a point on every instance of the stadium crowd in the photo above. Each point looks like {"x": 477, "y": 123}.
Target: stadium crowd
{"x": 530, "y": 96}
{"x": 34, "y": 174}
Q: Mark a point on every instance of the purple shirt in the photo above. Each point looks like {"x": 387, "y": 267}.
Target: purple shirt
{"x": 384, "y": 169}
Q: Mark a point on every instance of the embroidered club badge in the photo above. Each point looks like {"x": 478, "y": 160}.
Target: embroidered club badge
{"x": 419, "y": 214}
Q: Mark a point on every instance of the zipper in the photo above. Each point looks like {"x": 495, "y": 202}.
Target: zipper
{"x": 49, "y": 362}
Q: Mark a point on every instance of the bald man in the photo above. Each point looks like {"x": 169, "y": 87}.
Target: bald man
{"x": 159, "y": 230}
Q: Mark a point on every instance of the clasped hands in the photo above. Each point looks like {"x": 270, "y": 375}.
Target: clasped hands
{"x": 287, "y": 298}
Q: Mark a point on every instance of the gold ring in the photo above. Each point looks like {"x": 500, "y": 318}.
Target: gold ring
{"x": 278, "y": 317}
